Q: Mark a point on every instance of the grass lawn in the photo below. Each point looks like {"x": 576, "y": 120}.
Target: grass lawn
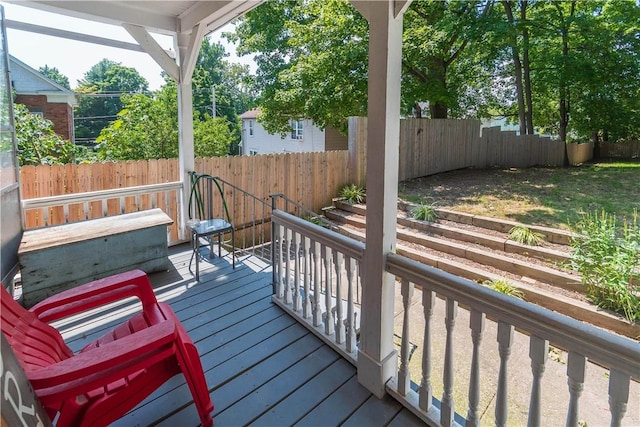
{"x": 554, "y": 197}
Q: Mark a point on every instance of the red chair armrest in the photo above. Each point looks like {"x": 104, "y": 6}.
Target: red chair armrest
{"x": 107, "y": 363}
{"x": 133, "y": 283}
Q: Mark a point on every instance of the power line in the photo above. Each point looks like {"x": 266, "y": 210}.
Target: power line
{"x": 94, "y": 117}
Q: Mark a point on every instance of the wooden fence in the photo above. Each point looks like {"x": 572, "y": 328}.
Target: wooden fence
{"x": 620, "y": 150}
{"x": 310, "y": 179}
{"x": 430, "y": 146}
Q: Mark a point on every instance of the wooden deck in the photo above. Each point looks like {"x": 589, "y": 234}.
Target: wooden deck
{"x": 262, "y": 367}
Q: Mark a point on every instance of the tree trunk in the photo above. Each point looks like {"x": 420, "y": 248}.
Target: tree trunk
{"x": 517, "y": 67}
{"x": 564, "y": 104}
{"x": 526, "y": 67}
{"x": 437, "y": 75}
{"x": 438, "y": 110}
{"x": 596, "y": 144}
{"x": 417, "y": 110}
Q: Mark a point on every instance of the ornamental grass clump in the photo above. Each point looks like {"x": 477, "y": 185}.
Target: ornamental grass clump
{"x": 504, "y": 287}
{"x": 525, "y": 235}
{"x": 608, "y": 259}
{"x": 352, "y": 194}
{"x": 424, "y": 212}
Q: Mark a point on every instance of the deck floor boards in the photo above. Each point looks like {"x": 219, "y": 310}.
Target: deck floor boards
{"x": 261, "y": 366}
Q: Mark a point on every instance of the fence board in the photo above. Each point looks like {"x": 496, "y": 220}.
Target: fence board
{"x": 620, "y": 150}
{"x": 430, "y": 146}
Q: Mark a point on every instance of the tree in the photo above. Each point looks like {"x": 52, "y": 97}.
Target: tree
{"x": 522, "y": 69}
{"x": 608, "y": 107}
{"x": 100, "y": 92}
{"x": 442, "y": 60}
{"x": 312, "y": 61}
{"x": 54, "y": 74}
{"x": 147, "y": 128}
{"x": 586, "y": 67}
{"x": 38, "y": 144}
{"x": 212, "y": 137}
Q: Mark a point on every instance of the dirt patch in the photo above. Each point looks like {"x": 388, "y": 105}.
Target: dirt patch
{"x": 552, "y": 197}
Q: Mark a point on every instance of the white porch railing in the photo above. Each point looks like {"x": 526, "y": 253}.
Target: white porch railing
{"x": 583, "y": 342}
{"x": 316, "y": 280}
{"x": 99, "y": 204}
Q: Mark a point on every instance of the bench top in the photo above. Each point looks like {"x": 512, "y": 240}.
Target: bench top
{"x": 58, "y": 235}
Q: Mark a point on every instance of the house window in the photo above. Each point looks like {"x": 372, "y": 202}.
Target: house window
{"x": 37, "y": 112}
{"x": 250, "y": 127}
{"x": 252, "y": 152}
{"x": 296, "y": 129}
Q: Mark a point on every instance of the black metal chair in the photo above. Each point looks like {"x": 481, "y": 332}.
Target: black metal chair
{"x": 207, "y": 216}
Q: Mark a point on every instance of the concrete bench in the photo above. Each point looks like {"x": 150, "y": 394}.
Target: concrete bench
{"x": 57, "y": 258}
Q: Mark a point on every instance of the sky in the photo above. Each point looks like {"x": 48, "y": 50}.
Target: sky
{"x": 74, "y": 58}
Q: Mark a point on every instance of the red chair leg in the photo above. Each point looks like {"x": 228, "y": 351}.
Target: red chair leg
{"x": 189, "y": 361}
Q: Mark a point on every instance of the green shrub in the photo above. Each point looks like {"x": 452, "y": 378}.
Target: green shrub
{"x": 425, "y": 212}
{"x": 352, "y": 194}
{"x": 317, "y": 220}
{"x": 525, "y": 235}
{"x": 504, "y": 287}
{"x": 608, "y": 259}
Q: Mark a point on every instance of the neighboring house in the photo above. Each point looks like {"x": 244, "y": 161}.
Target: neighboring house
{"x": 302, "y": 137}
{"x": 44, "y": 96}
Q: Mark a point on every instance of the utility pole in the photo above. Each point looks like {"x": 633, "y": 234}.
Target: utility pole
{"x": 213, "y": 101}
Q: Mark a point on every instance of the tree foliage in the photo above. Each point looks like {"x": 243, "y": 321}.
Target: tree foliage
{"x": 566, "y": 67}
{"x": 231, "y": 84}
{"x": 147, "y": 128}
{"x": 52, "y": 73}
{"x": 38, "y": 144}
{"x": 100, "y": 96}
{"x": 312, "y": 61}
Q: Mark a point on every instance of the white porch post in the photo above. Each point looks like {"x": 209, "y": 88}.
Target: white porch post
{"x": 186, "y": 153}
{"x": 188, "y": 46}
{"x": 377, "y": 358}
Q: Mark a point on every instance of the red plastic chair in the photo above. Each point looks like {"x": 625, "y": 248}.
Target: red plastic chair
{"x": 110, "y": 376}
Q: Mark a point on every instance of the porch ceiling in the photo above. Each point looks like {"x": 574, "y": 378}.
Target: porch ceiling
{"x": 165, "y": 17}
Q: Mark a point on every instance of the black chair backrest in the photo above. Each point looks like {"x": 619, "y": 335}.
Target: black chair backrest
{"x": 207, "y": 200}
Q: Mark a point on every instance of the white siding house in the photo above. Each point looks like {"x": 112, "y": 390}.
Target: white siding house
{"x": 303, "y": 137}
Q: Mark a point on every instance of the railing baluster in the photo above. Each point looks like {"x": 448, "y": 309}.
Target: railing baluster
{"x": 505, "y": 338}
{"x": 350, "y": 321}
{"x": 281, "y": 254}
{"x": 448, "y": 407}
{"x": 476, "y": 323}
{"x": 287, "y": 267}
{"x": 297, "y": 298}
{"x": 575, "y": 372}
{"x": 404, "y": 375}
{"x": 306, "y": 301}
{"x": 426, "y": 389}
{"x": 618, "y": 395}
{"x": 538, "y": 351}
{"x": 317, "y": 284}
{"x": 337, "y": 263}
{"x": 328, "y": 313}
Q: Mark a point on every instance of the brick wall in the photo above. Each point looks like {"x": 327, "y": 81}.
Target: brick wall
{"x": 61, "y": 114}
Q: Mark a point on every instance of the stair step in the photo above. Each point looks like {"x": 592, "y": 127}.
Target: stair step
{"x": 502, "y": 262}
{"x": 577, "y": 309}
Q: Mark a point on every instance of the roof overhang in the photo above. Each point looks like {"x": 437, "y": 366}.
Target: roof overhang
{"x": 164, "y": 17}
